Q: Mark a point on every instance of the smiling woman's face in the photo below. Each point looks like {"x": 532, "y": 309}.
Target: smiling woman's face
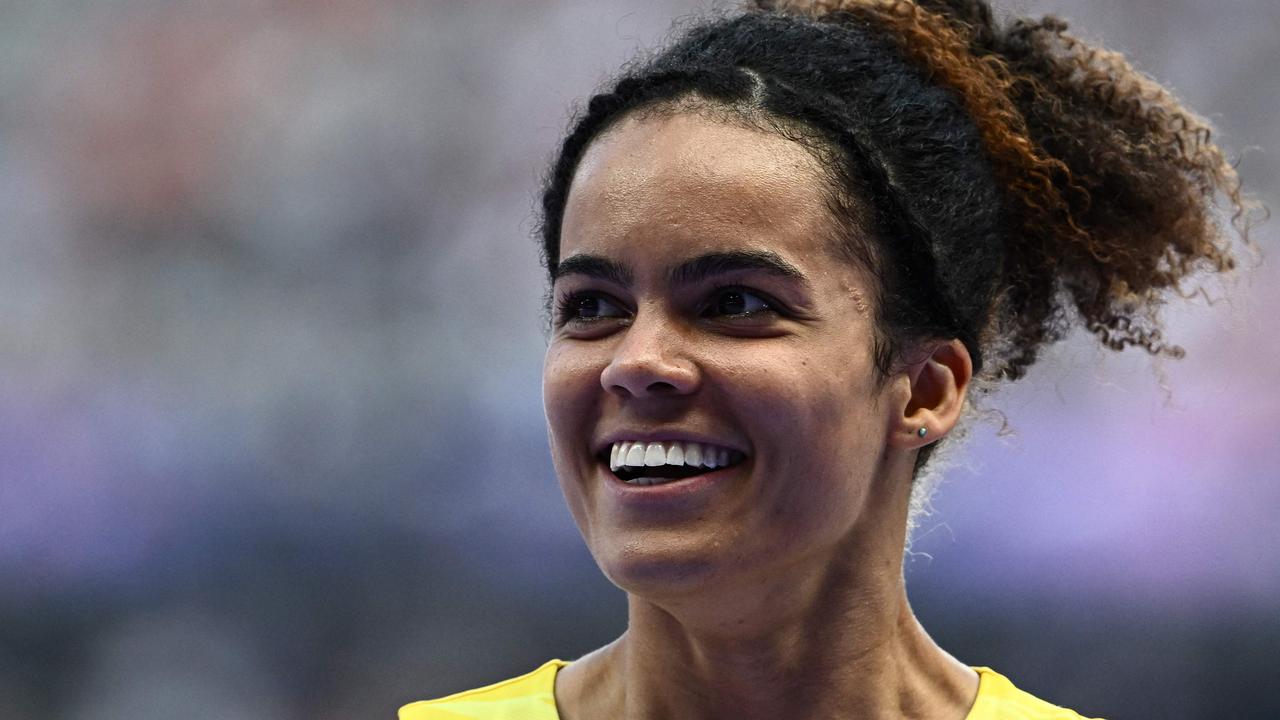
{"x": 705, "y": 317}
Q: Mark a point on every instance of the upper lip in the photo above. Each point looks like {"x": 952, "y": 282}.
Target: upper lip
{"x": 662, "y": 436}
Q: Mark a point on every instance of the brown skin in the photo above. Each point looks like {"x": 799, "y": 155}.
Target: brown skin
{"x": 776, "y": 590}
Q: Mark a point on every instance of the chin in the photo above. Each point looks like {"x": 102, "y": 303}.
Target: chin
{"x": 658, "y": 573}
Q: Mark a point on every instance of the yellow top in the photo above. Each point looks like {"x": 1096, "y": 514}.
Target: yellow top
{"x": 532, "y": 697}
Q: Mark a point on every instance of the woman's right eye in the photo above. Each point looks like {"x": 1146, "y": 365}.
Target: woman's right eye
{"x": 588, "y": 307}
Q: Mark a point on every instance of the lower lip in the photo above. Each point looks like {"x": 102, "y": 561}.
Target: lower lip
{"x": 673, "y": 491}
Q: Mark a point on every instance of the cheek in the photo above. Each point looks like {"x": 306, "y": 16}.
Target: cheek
{"x": 571, "y": 395}
{"x": 814, "y": 413}
{"x": 823, "y": 490}
{"x": 570, "y": 389}
{"x": 822, "y": 388}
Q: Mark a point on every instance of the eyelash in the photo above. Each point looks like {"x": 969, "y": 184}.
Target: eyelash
{"x": 567, "y": 304}
{"x": 772, "y": 306}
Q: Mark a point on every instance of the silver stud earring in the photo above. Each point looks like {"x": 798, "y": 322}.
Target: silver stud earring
{"x": 922, "y": 432}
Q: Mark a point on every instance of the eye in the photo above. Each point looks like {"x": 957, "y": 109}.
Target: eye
{"x": 738, "y": 302}
{"x": 586, "y": 307}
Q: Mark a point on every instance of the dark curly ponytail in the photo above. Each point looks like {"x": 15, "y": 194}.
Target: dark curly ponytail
{"x": 1003, "y": 181}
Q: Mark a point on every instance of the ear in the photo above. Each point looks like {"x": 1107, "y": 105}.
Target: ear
{"x": 938, "y": 386}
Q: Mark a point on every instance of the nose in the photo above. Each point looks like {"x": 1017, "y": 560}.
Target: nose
{"x": 649, "y": 361}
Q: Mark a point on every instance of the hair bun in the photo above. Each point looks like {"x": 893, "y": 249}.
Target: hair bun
{"x": 1110, "y": 182}
{"x": 1139, "y": 176}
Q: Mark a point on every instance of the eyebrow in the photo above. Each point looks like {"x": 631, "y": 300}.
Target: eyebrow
{"x": 594, "y": 266}
{"x": 700, "y": 268}
{"x": 689, "y": 272}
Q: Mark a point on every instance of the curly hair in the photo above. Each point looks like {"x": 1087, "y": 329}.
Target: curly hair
{"x": 1003, "y": 181}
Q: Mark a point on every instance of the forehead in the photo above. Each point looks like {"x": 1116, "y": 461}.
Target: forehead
{"x": 686, "y": 183}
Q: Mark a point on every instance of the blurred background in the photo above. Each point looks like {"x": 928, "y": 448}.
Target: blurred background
{"x": 271, "y": 437}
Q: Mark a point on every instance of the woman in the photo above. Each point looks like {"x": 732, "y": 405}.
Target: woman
{"x": 784, "y": 252}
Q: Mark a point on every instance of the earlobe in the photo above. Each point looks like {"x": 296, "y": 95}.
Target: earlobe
{"x": 938, "y": 386}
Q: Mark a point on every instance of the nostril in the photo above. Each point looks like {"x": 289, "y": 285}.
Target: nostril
{"x": 620, "y": 390}
{"x": 649, "y": 374}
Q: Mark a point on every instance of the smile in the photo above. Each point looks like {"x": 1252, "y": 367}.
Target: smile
{"x": 655, "y": 463}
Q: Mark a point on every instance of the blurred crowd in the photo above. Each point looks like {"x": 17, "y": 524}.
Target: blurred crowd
{"x": 271, "y": 435}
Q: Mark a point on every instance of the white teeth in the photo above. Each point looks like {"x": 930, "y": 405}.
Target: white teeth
{"x": 654, "y": 454}
{"x": 618, "y": 455}
{"x": 693, "y": 454}
{"x": 635, "y": 456}
{"x": 675, "y": 456}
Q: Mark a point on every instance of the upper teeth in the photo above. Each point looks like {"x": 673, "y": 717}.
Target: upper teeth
{"x": 671, "y": 452}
